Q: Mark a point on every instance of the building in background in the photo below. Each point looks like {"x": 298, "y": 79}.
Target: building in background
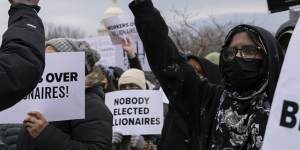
{"x": 113, "y": 10}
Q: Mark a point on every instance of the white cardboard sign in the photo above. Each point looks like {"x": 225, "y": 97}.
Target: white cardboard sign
{"x": 122, "y": 27}
{"x": 136, "y": 112}
{"x": 284, "y": 121}
{"x": 105, "y": 48}
{"x": 60, "y": 95}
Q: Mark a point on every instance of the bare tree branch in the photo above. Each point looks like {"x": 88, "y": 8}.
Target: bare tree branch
{"x": 58, "y": 31}
{"x": 198, "y": 40}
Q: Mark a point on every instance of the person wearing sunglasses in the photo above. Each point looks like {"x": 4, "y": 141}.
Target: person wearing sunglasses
{"x": 227, "y": 117}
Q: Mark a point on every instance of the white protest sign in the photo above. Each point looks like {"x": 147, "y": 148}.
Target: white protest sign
{"x": 122, "y": 27}
{"x": 137, "y": 112}
{"x": 283, "y": 130}
{"x": 59, "y": 96}
{"x": 105, "y": 48}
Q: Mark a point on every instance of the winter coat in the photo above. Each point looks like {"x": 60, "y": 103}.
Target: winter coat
{"x": 197, "y": 100}
{"x": 21, "y": 55}
{"x": 92, "y": 133}
{"x": 175, "y": 122}
{"x": 9, "y": 134}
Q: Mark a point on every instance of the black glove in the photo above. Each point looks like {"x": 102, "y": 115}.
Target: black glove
{"x": 26, "y": 2}
{"x": 139, "y": 1}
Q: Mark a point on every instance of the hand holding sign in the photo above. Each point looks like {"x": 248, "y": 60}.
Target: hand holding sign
{"x": 120, "y": 29}
{"x": 35, "y": 123}
{"x": 137, "y": 142}
{"x": 117, "y": 138}
{"x": 127, "y": 46}
{"x": 26, "y": 2}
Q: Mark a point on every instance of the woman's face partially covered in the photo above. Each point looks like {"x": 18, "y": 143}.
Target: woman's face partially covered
{"x": 242, "y": 39}
{"x": 243, "y": 67}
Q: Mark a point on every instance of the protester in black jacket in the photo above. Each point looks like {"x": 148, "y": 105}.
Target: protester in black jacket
{"x": 9, "y": 135}
{"x": 232, "y": 116}
{"x": 92, "y": 133}
{"x": 21, "y": 53}
{"x": 173, "y": 121}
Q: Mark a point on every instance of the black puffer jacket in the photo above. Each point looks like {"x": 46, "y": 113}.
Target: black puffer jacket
{"x": 172, "y": 140}
{"x": 196, "y": 100}
{"x": 92, "y": 133}
{"x": 21, "y": 55}
{"x": 9, "y": 134}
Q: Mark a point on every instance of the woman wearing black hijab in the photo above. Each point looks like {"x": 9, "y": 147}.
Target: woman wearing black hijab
{"x": 232, "y": 116}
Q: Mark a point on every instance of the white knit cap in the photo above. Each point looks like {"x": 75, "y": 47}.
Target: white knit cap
{"x": 133, "y": 76}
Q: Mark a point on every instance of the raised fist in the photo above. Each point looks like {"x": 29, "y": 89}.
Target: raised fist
{"x": 26, "y": 2}
{"x": 139, "y": 1}
{"x": 127, "y": 46}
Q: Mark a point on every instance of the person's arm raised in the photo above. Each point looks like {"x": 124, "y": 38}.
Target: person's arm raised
{"x": 168, "y": 64}
{"x": 134, "y": 62}
{"x": 21, "y": 53}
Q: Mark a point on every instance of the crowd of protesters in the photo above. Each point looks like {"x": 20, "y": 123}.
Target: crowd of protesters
{"x": 220, "y": 102}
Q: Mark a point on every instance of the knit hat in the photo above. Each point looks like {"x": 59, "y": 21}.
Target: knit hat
{"x": 71, "y": 45}
{"x": 113, "y": 74}
{"x": 214, "y": 57}
{"x": 62, "y": 45}
{"x": 133, "y": 76}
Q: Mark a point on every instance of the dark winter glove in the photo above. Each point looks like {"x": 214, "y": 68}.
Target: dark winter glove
{"x": 117, "y": 138}
{"x": 139, "y": 1}
{"x": 26, "y": 2}
{"x": 137, "y": 142}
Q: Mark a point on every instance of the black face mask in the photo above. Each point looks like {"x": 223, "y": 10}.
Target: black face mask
{"x": 243, "y": 76}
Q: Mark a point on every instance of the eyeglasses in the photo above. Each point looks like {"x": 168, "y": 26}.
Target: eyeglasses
{"x": 245, "y": 52}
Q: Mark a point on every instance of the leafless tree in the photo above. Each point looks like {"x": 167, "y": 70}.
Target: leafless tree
{"x": 59, "y": 31}
{"x": 198, "y": 39}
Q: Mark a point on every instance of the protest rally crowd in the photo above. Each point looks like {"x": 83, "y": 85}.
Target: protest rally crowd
{"x": 221, "y": 104}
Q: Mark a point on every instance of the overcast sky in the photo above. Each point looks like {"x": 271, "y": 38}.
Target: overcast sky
{"x": 86, "y": 14}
